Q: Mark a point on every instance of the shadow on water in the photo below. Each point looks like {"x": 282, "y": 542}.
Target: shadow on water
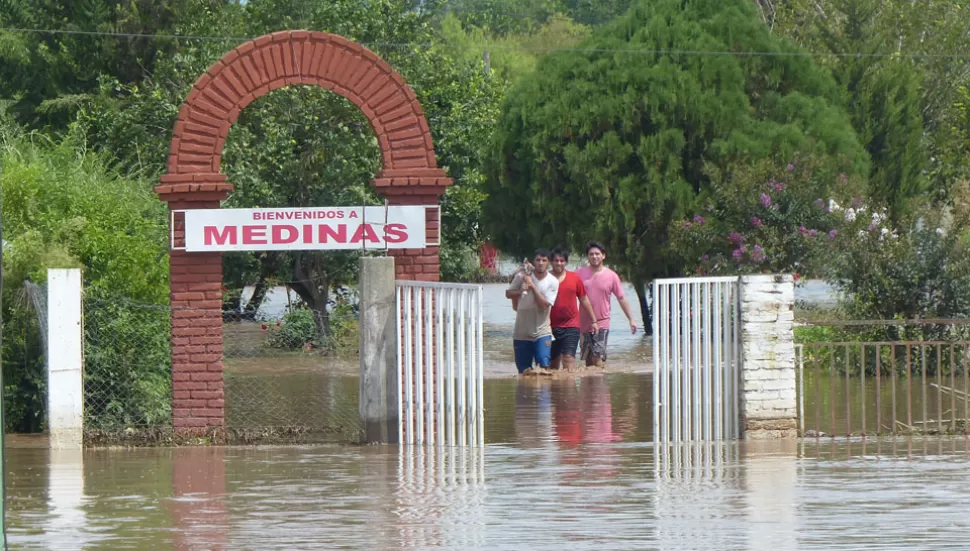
{"x": 568, "y": 465}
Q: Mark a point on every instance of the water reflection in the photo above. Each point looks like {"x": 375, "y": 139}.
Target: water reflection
{"x": 440, "y": 498}
{"x": 65, "y": 481}
{"x": 198, "y": 506}
{"x": 568, "y": 465}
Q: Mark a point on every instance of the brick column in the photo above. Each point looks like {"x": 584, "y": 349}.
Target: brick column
{"x": 418, "y": 264}
{"x": 768, "y": 400}
{"x": 198, "y": 405}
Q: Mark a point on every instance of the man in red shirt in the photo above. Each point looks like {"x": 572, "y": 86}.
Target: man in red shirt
{"x": 564, "y": 316}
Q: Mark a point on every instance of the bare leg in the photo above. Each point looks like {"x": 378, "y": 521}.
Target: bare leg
{"x": 592, "y": 360}
{"x": 568, "y": 362}
{"x": 556, "y": 361}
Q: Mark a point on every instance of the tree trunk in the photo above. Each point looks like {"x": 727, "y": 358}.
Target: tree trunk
{"x": 259, "y": 293}
{"x": 315, "y": 293}
{"x": 642, "y": 291}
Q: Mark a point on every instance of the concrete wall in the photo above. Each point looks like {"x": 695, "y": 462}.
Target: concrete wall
{"x": 65, "y": 357}
{"x": 768, "y": 399}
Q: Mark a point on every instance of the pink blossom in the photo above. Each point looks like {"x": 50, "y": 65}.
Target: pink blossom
{"x": 756, "y": 222}
{"x": 758, "y": 254}
{"x": 833, "y": 233}
{"x": 735, "y": 238}
{"x": 698, "y": 219}
{"x": 765, "y": 200}
{"x": 738, "y": 254}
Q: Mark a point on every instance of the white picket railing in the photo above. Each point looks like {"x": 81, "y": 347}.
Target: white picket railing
{"x": 696, "y": 357}
{"x": 440, "y": 364}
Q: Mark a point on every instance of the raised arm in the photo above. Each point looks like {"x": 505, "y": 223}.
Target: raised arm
{"x": 516, "y": 288}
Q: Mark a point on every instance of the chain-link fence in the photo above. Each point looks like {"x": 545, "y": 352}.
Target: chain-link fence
{"x": 291, "y": 370}
{"x": 127, "y": 372}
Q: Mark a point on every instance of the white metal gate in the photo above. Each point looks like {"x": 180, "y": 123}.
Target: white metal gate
{"x": 440, "y": 364}
{"x": 696, "y": 358}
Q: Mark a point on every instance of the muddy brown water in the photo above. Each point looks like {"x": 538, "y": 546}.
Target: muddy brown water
{"x": 567, "y": 465}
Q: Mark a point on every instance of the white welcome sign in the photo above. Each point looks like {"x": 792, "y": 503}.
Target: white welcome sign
{"x": 316, "y": 228}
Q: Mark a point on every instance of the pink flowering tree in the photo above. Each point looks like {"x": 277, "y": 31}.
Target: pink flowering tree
{"x": 779, "y": 217}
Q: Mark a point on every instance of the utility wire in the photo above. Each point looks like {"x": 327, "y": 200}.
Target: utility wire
{"x": 633, "y": 51}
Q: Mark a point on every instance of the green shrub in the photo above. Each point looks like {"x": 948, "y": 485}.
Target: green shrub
{"x": 294, "y": 331}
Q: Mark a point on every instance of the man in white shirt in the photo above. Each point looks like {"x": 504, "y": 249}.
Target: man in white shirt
{"x": 534, "y": 294}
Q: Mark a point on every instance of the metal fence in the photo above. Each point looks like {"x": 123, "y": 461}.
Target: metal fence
{"x": 291, "y": 372}
{"x": 883, "y": 387}
{"x": 440, "y": 363}
{"x": 127, "y": 371}
{"x": 696, "y": 357}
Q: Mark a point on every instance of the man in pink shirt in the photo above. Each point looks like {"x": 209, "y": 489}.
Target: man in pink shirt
{"x": 600, "y": 282}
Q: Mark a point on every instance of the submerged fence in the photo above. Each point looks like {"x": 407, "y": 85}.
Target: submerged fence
{"x": 883, "y": 387}
{"x": 289, "y": 372}
{"x": 440, "y": 363}
{"x": 696, "y": 354}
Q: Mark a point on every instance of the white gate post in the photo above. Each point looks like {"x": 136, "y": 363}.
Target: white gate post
{"x": 768, "y": 399}
{"x": 65, "y": 357}
{"x": 379, "y": 394}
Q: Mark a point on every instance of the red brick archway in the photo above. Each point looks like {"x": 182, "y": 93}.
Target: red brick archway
{"x": 410, "y": 176}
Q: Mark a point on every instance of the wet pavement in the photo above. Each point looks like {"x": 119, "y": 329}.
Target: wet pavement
{"x": 568, "y": 465}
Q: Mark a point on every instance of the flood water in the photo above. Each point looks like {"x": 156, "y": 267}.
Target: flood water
{"x": 567, "y": 465}
{"x": 628, "y": 352}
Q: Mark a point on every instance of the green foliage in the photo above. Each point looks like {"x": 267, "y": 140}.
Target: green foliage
{"x": 905, "y": 90}
{"x": 296, "y": 330}
{"x": 49, "y": 75}
{"x": 62, "y": 208}
{"x": 127, "y": 381}
{"x": 772, "y": 217}
{"x": 921, "y": 270}
{"x": 511, "y": 56}
{"x": 619, "y": 140}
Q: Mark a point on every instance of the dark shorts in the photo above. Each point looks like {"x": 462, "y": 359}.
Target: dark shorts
{"x": 527, "y": 351}
{"x": 594, "y": 344}
{"x": 565, "y": 341}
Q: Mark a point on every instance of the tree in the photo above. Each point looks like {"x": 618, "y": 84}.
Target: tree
{"x": 900, "y": 66}
{"x": 618, "y": 140}
{"x": 50, "y": 74}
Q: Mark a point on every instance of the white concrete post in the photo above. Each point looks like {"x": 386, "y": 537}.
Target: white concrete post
{"x": 65, "y": 357}
{"x": 768, "y": 400}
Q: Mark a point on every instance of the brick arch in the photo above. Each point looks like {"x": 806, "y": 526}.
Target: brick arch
{"x": 410, "y": 176}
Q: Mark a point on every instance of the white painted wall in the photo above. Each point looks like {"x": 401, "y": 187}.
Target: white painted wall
{"x": 65, "y": 359}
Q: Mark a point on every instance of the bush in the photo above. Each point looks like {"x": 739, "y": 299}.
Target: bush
{"x": 63, "y": 207}
{"x": 921, "y": 271}
{"x": 295, "y": 330}
{"x": 336, "y": 331}
{"x": 771, "y": 216}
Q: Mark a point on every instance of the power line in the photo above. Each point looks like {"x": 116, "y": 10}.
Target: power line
{"x": 514, "y": 47}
